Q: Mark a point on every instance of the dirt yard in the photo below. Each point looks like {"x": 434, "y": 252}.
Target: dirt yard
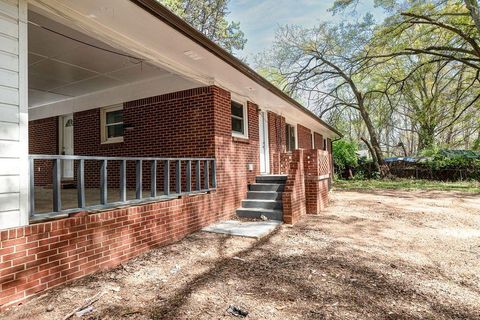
{"x": 371, "y": 255}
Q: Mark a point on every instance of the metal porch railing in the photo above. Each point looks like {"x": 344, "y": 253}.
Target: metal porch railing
{"x": 204, "y": 181}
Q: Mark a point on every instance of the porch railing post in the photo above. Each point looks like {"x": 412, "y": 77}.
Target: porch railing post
{"x": 188, "y": 175}
{"x": 81, "y": 183}
{"x": 138, "y": 173}
{"x": 178, "y": 176}
{"x": 32, "y": 186}
{"x": 57, "y": 185}
{"x": 123, "y": 180}
{"x": 198, "y": 183}
{"x": 103, "y": 182}
{"x": 153, "y": 179}
{"x": 166, "y": 177}
{"x": 206, "y": 171}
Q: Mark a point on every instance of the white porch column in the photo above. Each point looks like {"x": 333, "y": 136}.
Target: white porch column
{"x": 13, "y": 114}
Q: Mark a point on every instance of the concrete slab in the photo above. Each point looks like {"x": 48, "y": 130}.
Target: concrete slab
{"x": 249, "y": 229}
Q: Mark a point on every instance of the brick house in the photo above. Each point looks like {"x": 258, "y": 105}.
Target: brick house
{"x": 115, "y": 139}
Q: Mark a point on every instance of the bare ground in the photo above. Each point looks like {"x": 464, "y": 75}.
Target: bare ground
{"x": 385, "y": 254}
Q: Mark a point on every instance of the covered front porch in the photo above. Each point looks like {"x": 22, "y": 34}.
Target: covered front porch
{"x": 78, "y": 164}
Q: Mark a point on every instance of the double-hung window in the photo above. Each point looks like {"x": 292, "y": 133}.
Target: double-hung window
{"x": 239, "y": 119}
{"x": 111, "y": 119}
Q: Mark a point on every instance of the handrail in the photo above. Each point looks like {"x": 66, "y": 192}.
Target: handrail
{"x": 207, "y": 165}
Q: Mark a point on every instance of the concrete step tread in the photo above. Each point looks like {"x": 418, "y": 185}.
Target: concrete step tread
{"x": 271, "y": 214}
{"x": 267, "y": 184}
{"x": 262, "y": 200}
{"x": 272, "y": 177}
{"x": 261, "y": 191}
{"x": 264, "y": 195}
{"x": 261, "y": 210}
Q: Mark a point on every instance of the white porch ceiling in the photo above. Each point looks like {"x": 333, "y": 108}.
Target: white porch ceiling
{"x": 60, "y": 68}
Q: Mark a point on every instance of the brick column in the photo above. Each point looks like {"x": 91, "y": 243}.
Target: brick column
{"x": 317, "y": 175}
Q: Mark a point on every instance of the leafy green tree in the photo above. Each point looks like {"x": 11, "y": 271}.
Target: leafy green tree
{"x": 345, "y": 154}
{"x": 210, "y": 18}
{"x": 323, "y": 64}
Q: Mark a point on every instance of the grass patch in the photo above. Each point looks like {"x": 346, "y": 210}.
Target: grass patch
{"x": 409, "y": 184}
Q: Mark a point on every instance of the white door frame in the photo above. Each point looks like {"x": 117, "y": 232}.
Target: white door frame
{"x": 67, "y": 165}
{"x": 263, "y": 143}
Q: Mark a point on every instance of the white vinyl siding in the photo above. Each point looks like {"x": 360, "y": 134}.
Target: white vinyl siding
{"x": 13, "y": 114}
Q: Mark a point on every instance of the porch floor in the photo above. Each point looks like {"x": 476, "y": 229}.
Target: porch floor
{"x": 44, "y": 196}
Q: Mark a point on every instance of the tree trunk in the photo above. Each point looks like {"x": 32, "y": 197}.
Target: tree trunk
{"x": 375, "y": 145}
{"x": 401, "y": 144}
{"x": 372, "y": 152}
{"x": 426, "y": 137}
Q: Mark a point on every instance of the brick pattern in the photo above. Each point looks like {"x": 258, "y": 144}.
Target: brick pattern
{"x": 304, "y": 137}
{"x": 43, "y": 139}
{"x": 317, "y": 173}
{"x": 276, "y": 140}
{"x": 45, "y": 255}
{"x": 318, "y": 140}
{"x": 234, "y": 154}
{"x": 293, "y": 198}
{"x": 153, "y": 133}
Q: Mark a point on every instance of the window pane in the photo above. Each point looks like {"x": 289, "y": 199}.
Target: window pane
{"x": 237, "y": 109}
{"x": 287, "y": 134}
{"x": 292, "y": 138}
{"x": 237, "y": 125}
{"x": 115, "y": 116}
{"x": 115, "y": 130}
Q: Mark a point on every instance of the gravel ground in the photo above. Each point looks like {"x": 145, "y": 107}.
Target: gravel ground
{"x": 385, "y": 254}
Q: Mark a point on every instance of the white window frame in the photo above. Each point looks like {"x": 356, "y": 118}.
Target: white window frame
{"x": 103, "y": 124}
{"x": 313, "y": 140}
{"x": 245, "y": 118}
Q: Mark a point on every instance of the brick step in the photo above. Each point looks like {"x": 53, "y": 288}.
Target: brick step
{"x": 257, "y": 212}
{"x": 262, "y": 204}
{"x": 273, "y": 178}
{"x": 266, "y": 195}
{"x": 267, "y": 187}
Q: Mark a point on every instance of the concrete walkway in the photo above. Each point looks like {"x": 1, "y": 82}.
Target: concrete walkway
{"x": 249, "y": 229}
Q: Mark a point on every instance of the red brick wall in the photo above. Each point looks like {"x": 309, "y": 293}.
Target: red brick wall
{"x": 277, "y": 140}
{"x": 178, "y": 124}
{"x": 43, "y": 139}
{"x": 233, "y": 154}
{"x": 304, "y": 137}
{"x": 318, "y": 141}
{"x": 41, "y": 256}
{"x": 175, "y": 125}
{"x": 317, "y": 173}
{"x": 293, "y": 198}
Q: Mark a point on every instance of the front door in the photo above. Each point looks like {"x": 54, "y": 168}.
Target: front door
{"x": 66, "y": 144}
{"x": 264, "y": 156}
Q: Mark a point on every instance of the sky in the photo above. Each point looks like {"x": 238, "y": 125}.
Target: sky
{"x": 259, "y": 19}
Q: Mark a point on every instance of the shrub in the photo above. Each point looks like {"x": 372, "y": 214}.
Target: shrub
{"x": 345, "y": 154}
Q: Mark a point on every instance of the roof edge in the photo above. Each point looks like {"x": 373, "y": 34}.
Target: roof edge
{"x": 171, "y": 19}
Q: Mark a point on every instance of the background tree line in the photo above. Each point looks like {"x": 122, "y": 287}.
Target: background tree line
{"x": 403, "y": 86}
